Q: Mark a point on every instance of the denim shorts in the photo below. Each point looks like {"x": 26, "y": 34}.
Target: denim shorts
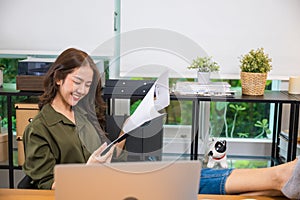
{"x": 212, "y": 181}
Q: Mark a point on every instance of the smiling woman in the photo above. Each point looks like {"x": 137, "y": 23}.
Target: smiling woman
{"x": 67, "y": 129}
{"x": 72, "y": 89}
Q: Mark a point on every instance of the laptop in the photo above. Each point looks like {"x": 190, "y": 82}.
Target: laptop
{"x": 128, "y": 181}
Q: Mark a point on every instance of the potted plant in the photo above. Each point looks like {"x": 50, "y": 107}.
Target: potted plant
{"x": 255, "y": 66}
{"x": 204, "y": 66}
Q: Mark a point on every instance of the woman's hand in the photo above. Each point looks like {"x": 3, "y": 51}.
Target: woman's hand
{"x": 53, "y": 186}
{"x": 120, "y": 145}
{"x": 96, "y": 157}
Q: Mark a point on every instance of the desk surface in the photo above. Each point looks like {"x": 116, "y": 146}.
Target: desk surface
{"x": 18, "y": 194}
{"x": 268, "y": 97}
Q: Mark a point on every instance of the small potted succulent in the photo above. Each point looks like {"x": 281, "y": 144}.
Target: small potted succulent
{"x": 204, "y": 66}
{"x": 255, "y": 66}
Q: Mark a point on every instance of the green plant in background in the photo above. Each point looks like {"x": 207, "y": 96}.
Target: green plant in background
{"x": 204, "y": 64}
{"x": 4, "y": 122}
{"x": 134, "y": 106}
{"x": 10, "y": 71}
{"x": 256, "y": 61}
{"x": 225, "y": 122}
{"x": 236, "y": 109}
{"x": 106, "y": 69}
{"x": 2, "y": 67}
{"x": 244, "y": 123}
{"x": 250, "y": 164}
{"x": 264, "y": 128}
{"x": 220, "y": 106}
{"x": 243, "y": 135}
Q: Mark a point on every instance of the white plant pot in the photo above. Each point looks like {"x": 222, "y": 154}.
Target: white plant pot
{"x": 203, "y": 77}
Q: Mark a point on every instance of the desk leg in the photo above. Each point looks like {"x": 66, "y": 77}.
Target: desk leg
{"x": 10, "y": 143}
{"x": 196, "y": 138}
{"x": 276, "y": 131}
{"x": 292, "y": 132}
{"x": 195, "y": 130}
{"x": 295, "y": 132}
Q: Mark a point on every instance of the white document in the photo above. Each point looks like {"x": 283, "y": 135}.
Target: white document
{"x": 157, "y": 98}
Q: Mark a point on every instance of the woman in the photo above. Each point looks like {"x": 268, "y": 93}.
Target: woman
{"x": 67, "y": 128}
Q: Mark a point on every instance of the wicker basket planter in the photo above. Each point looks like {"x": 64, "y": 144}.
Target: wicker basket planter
{"x": 253, "y": 83}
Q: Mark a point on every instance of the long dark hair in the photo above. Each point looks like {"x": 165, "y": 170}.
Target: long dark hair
{"x": 66, "y": 63}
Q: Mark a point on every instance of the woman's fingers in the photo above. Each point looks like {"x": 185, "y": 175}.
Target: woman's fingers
{"x": 108, "y": 156}
{"x": 100, "y": 149}
{"x": 97, "y": 158}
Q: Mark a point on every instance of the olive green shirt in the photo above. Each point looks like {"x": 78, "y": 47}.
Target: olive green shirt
{"x": 52, "y": 139}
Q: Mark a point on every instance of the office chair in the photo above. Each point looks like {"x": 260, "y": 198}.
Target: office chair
{"x": 26, "y": 183}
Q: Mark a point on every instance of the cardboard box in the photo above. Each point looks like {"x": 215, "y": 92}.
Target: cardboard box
{"x": 3, "y": 147}
{"x": 30, "y": 83}
{"x": 25, "y": 112}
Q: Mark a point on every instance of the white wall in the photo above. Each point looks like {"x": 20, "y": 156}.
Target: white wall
{"x": 224, "y": 29}
{"x": 50, "y": 26}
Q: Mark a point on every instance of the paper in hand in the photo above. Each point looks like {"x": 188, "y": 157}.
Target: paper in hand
{"x": 157, "y": 98}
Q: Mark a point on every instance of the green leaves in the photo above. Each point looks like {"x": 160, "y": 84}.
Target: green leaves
{"x": 243, "y": 135}
{"x": 2, "y": 67}
{"x": 10, "y": 69}
{"x": 256, "y": 62}
{"x": 264, "y": 126}
{"x": 237, "y": 107}
{"x": 204, "y": 64}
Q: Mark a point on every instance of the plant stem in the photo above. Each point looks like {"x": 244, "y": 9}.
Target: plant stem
{"x": 261, "y": 134}
{"x": 225, "y": 121}
{"x": 233, "y": 123}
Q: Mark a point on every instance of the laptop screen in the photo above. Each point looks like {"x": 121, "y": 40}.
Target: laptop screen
{"x": 128, "y": 180}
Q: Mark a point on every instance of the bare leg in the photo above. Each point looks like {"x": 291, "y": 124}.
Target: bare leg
{"x": 259, "y": 180}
